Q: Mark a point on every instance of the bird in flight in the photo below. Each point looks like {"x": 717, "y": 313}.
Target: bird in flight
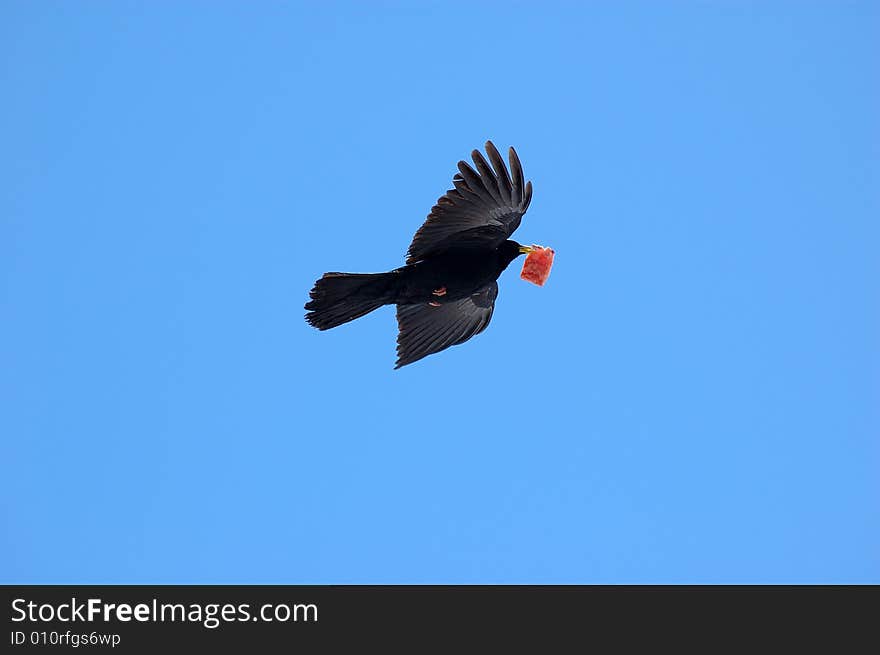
{"x": 445, "y": 294}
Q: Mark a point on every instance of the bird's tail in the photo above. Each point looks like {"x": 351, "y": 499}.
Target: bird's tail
{"x": 338, "y": 298}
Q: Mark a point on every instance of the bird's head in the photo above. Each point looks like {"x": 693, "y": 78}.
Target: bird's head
{"x": 510, "y": 250}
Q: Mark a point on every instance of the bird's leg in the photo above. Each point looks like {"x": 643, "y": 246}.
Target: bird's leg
{"x": 434, "y": 304}
{"x": 439, "y": 292}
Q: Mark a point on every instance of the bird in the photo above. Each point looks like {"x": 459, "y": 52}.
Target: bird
{"x": 445, "y": 293}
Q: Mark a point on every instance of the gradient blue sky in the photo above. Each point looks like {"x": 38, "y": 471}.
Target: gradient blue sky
{"x": 176, "y": 175}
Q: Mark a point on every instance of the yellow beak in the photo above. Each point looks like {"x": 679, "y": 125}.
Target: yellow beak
{"x": 525, "y": 250}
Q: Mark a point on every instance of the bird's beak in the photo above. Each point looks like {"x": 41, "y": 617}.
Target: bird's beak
{"x": 525, "y": 250}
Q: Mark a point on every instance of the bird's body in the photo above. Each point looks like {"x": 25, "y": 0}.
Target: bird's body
{"x": 460, "y": 272}
{"x": 445, "y": 294}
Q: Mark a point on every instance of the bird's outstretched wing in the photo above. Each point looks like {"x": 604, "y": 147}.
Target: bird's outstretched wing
{"x": 425, "y": 329}
{"x": 484, "y": 208}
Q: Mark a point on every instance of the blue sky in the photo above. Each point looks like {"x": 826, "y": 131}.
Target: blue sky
{"x": 176, "y": 175}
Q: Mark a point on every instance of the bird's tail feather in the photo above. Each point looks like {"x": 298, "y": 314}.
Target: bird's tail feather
{"x": 338, "y": 298}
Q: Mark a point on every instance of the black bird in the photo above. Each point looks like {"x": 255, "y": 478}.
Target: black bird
{"x": 446, "y": 292}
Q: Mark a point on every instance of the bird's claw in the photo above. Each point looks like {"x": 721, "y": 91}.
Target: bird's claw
{"x": 434, "y": 304}
{"x": 439, "y": 292}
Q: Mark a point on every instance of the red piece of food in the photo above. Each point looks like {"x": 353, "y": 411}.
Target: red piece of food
{"x": 536, "y": 268}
